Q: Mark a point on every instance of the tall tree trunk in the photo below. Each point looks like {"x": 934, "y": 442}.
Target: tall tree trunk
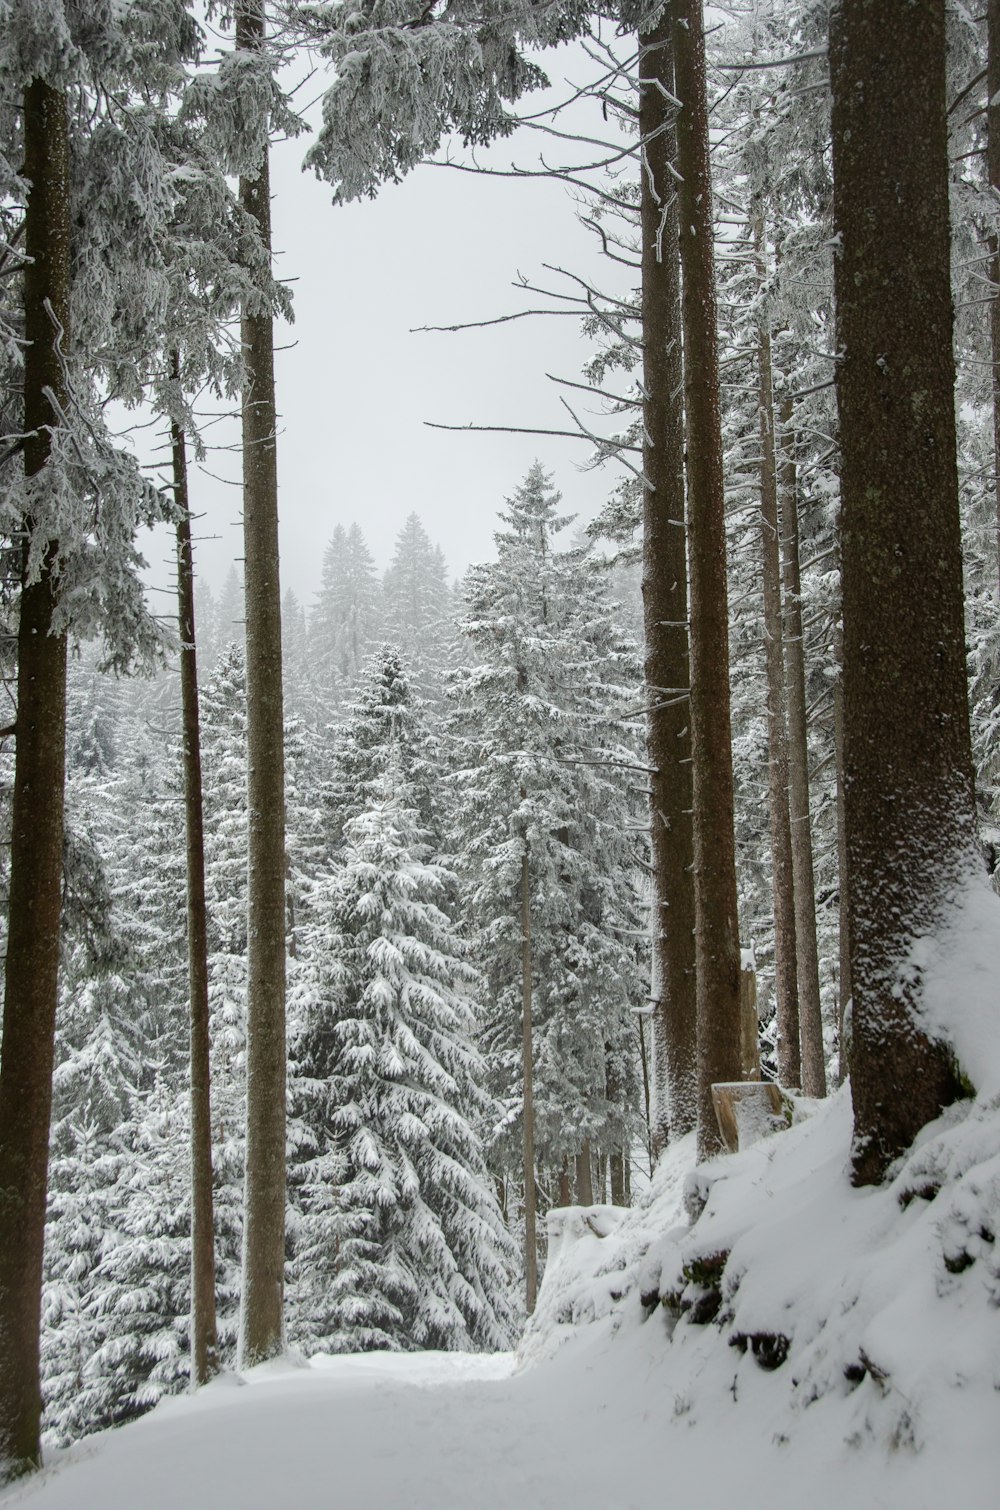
{"x": 584, "y": 1176}
{"x": 36, "y": 854}
{"x": 527, "y": 1067}
{"x": 783, "y": 890}
{"x": 993, "y": 172}
{"x": 843, "y": 911}
{"x": 204, "y": 1337}
{"x": 261, "y": 1316}
{"x": 619, "y": 1158}
{"x": 717, "y": 926}
{"x": 909, "y": 810}
{"x": 664, "y": 599}
{"x": 806, "y": 951}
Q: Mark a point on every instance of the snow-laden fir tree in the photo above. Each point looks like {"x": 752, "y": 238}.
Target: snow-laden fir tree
{"x": 546, "y": 793}
{"x": 344, "y": 620}
{"x": 417, "y": 605}
{"x": 401, "y": 1242}
{"x": 386, "y": 727}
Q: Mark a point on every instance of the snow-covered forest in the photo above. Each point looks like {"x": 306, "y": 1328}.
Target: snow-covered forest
{"x": 583, "y": 964}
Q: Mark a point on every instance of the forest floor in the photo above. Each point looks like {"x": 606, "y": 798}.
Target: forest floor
{"x": 798, "y": 1341}
{"x": 591, "y": 1429}
{"x": 606, "y": 1406}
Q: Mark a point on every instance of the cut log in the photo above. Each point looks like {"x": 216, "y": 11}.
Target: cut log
{"x": 748, "y": 1110}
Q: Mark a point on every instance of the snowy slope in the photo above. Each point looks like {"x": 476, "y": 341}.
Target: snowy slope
{"x": 881, "y": 1309}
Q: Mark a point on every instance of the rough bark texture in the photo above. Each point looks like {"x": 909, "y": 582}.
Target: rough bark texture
{"x": 993, "y": 172}
{"x": 527, "y": 1068}
{"x": 619, "y": 1195}
{"x": 261, "y": 1316}
{"x": 908, "y": 769}
{"x": 584, "y": 1176}
{"x": 204, "y": 1338}
{"x": 717, "y": 928}
{"x": 843, "y": 911}
{"x": 783, "y": 890}
{"x": 36, "y": 853}
{"x": 806, "y": 951}
{"x": 665, "y": 605}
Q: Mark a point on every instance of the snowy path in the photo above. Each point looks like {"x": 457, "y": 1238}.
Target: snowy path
{"x": 372, "y": 1432}
{"x": 454, "y": 1432}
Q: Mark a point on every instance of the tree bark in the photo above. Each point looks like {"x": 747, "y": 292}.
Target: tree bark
{"x": 665, "y": 601}
{"x": 261, "y": 1316}
{"x": 717, "y": 927}
{"x": 36, "y": 855}
{"x": 843, "y": 911}
{"x": 909, "y": 796}
{"x": 806, "y": 951}
{"x": 618, "y": 1159}
{"x": 783, "y": 890}
{"x": 204, "y": 1337}
{"x": 993, "y": 173}
{"x": 584, "y": 1176}
{"x": 527, "y": 1067}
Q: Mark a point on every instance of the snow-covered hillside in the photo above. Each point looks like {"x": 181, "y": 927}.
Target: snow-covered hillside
{"x": 800, "y": 1339}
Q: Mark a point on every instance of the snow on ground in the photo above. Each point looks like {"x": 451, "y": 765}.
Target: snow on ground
{"x": 870, "y": 1370}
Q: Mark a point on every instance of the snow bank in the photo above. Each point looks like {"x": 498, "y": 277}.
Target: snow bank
{"x": 799, "y": 1320}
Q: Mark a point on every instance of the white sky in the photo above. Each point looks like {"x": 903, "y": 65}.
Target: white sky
{"x": 356, "y": 387}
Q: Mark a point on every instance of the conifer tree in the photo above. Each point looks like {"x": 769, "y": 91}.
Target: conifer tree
{"x": 544, "y": 776}
{"x": 401, "y": 1240}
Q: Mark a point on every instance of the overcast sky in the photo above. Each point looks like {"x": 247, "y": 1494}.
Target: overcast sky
{"x": 355, "y": 386}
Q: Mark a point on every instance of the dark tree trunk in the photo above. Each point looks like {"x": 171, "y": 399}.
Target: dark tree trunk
{"x": 993, "y": 172}
{"x": 909, "y": 809}
{"x": 527, "y": 1068}
{"x": 665, "y": 605}
{"x": 843, "y": 911}
{"x": 261, "y": 1318}
{"x": 717, "y": 927}
{"x": 806, "y": 952}
{"x": 204, "y": 1339}
{"x": 584, "y": 1176}
{"x": 36, "y": 854}
{"x": 783, "y": 891}
{"x": 618, "y": 1195}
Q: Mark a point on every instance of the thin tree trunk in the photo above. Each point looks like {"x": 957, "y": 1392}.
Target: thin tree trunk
{"x": 261, "y": 1316}
{"x": 665, "y": 603}
{"x": 993, "y": 172}
{"x": 717, "y": 928}
{"x": 204, "y": 1337}
{"x": 527, "y": 1066}
{"x": 806, "y": 951}
{"x": 36, "y": 853}
{"x": 909, "y": 810}
{"x": 785, "y": 969}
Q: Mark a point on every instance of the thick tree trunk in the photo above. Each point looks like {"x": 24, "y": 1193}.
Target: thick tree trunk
{"x": 843, "y": 911}
{"x": 618, "y": 1160}
{"x": 665, "y": 605}
{"x": 204, "y": 1338}
{"x": 806, "y": 951}
{"x": 717, "y": 927}
{"x": 261, "y": 1317}
{"x": 36, "y": 853}
{"x": 527, "y": 1068}
{"x": 993, "y": 172}
{"x": 909, "y": 809}
{"x": 584, "y": 1176}
{"x": 783, "y": 890}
